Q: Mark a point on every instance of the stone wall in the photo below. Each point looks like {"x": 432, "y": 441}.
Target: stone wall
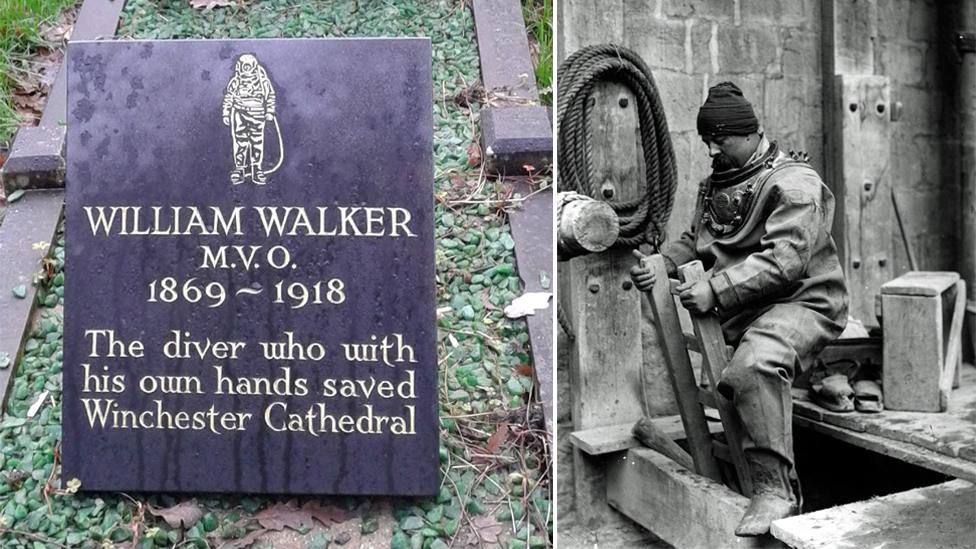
{"x": 916, "y": 52}
{"x": 772, "y": 50}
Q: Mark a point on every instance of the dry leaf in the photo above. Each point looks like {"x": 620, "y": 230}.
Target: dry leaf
{"x": 527, "y": 304}
{"x": 488, "y": 528}
{"x": 524, "y": 369}
{"x": 474, "y": 154}
{"x": 497, "y": 438}
{"x": 246, "y": 541}
{"x": 181, "y": 515}
{"x": 282, "y": 515}
{"x": 326, "y": 514}
{"x": 210, "y": 4}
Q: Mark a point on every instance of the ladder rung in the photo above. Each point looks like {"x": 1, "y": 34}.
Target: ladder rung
{"x": 721, "y": 451}
{"x": 691, "y": 342}
{"x": 706, "y": 397}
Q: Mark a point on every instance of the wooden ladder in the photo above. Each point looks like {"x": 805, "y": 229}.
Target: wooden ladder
{"x": 708, "y": 341}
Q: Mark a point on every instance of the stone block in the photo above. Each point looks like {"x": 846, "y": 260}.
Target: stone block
{"x": 564, "y": 465}
{"x": 704, "y": 46}
{"x": 514, "y": 137}
{"x": 661, "y": 43}
{"x": 781, "y": 13}
{"x": 587, "y": 22}
{"x": 792, "y": 107}
{"x": 35, "y": 160}
{"x": 504, "y": 49}
{"x": 688, "y": 150}
{"x": 708, "y": 9}
{"x": 801, "y": 53}
{"x": 680, "y": 94}
{"x": 747, "y": 49}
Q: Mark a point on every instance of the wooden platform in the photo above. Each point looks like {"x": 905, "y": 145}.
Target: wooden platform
{"x": 943, "y": 442}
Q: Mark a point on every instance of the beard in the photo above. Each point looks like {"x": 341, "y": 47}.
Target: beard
{"x": 723, "y": 163}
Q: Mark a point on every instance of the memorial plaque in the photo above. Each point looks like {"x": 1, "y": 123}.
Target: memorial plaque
{"x": 250, "y": 299}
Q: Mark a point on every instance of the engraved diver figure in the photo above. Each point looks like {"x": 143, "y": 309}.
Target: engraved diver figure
{"x": 249, "y": 104}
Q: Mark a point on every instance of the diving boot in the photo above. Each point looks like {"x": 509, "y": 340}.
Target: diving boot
{"x": 237, "y": 176}
{"x": 773, "y": 497}
{"x": 259, "y": 178}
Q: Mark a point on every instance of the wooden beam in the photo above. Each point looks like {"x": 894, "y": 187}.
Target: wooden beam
{"x": 715, "y": 357}
{"x": 672, "y": 341}
{"x": 933, "y": 516}
{"x": 616, "y": 438}
{"x": 681, "y": 508}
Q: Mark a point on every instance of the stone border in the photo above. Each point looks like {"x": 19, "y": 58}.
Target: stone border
{"x": 36, "y": 159}
{"x": 36, "y": 164}
{"x": 516, "y": 131}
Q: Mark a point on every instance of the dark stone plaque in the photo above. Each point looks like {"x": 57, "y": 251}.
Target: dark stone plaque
{"x": 250, "y": 299}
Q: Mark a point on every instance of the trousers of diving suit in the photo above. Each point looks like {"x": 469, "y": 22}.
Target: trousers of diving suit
{"x": 779, "y": 286}
{"x": 248, "y": 123}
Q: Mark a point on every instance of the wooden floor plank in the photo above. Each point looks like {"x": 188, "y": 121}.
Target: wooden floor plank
{"x": 616, "y": 438}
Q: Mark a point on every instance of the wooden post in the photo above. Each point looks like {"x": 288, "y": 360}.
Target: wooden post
{"x": 604, "y": 309}
{"x": 857, "y": 123}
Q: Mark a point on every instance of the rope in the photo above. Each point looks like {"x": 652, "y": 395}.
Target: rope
{"x": 645, "y": 218}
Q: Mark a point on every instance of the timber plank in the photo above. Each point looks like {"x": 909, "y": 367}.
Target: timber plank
{"x": 921, "y": 283}
{"x": 672, "y": 341}
{"x": 715, "y": 357}
{"x": 904, "y": 451}
{"x": 616, "y": 438}
{"x": 940, "y": 516}
{"x": 32, "y": 219}
{"x": 681, "y": 507}
{"x": 951, "y": 433}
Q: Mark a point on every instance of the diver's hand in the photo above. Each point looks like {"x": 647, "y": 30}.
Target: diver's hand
{"x": 697, "y": 296}
{"x": 641, "y": 273}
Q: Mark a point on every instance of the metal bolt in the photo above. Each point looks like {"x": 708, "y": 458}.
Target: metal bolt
{"x": 628, "y": 284}
{"x": 856, "y": 263}
{"x": 882, "y": 262}
{"x": 623, "y": 102}
{"x": 853, "y": 107}
{"x": 867, "y": 185}
{"x": 594, "y": 288}
{"x": 607, "y": 192}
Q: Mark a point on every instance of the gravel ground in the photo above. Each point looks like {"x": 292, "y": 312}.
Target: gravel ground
{"x": 494, "y": 451}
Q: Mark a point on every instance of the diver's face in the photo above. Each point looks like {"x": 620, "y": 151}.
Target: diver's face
{"x": 730, "y": 152}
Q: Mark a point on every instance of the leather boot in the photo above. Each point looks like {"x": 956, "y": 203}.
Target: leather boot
{"x": 773, "y": 497}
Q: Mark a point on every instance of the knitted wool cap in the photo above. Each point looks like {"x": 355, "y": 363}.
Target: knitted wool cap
{"x": 726, "y": 112}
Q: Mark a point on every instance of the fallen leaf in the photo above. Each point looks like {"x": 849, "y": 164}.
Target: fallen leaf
{"x": 326, "y": 514}
{"x": 210, "y": 4}
{"x": 527, "y": 304}
{"x": 73, "y": 486}
{"x": 474, "y": 154}
{"x": 15, "y": 196}
{"x": 488, "y": 528}
{"x": 246, "y": 541}
{"x": 40, "y": 245}
{"x": 181, "y": 515}
{"x": 497, "y": 438}
{"x": 524, "y": 369}
{"x": 282, "y": 515}
{"x": 32, "y": 411}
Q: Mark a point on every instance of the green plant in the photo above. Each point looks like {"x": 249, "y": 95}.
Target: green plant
{"x": 21, "y": 22}
{"x": 538, "y": 17}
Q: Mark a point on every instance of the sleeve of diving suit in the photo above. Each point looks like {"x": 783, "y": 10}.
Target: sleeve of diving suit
{"x": 269, "y": 93}
{"x": 680, "y": 251}
{"x": 790, "y": 233}
{"x": 229, "y": 97}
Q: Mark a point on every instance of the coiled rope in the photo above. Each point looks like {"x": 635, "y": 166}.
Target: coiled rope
{"x": 645, "y": 218}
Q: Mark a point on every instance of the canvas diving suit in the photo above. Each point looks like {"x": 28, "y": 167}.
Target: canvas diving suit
{"x": 763, "y": 232}
{"x": 248, "y": 103}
